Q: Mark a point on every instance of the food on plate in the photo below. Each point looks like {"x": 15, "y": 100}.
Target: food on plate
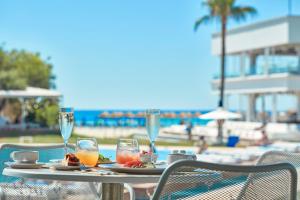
{"x": 145, "y": 153}
{"x": 70, "y": 160}
{"x": 138, "y": 164}
{"x": 149, "y": 165}
{"x": 103, "y": 159}
{"x": 134, "y": 164}
{"x": 145, "y": 157}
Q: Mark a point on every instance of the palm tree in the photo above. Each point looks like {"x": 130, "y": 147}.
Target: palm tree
{"x": 223, "y": 11}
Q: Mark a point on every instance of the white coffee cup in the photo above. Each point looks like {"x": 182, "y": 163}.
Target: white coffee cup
{"x": 180, "y": 155}
{"x": 25, "y": 156}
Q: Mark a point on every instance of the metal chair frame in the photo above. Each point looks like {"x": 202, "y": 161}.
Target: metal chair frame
{"x": 286, "y": 155}
{"x": 281, "y": 156}
{"x": 1, "y": 194}
{"x": 227, "y": 168}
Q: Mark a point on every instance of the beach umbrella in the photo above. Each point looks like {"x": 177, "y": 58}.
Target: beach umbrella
{"x": 197, "y": 114}
{"x": 129, "y": 115}
{"x": 168, "y": 115}
{"x": 105, "y": 114}
{"x": 182, "y": 115}
{"x": 140, "y": 114}
{"x": 220, "y": 115}
{"x": 189, "y": 115}
{"x": 172, "y": 115}
{"x": 117, "y": 114}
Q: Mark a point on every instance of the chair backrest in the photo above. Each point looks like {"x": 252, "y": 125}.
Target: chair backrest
{"x": 272, "y": 157}
{"x": 275, "y": 157}
{"x": 200, "y": 180}
{"x": 46, "y": 153}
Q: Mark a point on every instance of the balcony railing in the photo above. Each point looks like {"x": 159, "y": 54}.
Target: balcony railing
{"x": 272, "y": 70}
{"x": 279, "y": 70}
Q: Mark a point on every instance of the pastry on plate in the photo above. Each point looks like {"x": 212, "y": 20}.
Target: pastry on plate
{"x": 70, "y": 160}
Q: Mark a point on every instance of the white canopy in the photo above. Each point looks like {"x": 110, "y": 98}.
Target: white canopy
{"x": 220, "y": 113}
{"x": 29, "y": 92}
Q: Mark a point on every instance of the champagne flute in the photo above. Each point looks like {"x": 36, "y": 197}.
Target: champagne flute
{"x": 152, "y": 126}
{"x": 66, "y": 123}
{"x": 87, "y": 151}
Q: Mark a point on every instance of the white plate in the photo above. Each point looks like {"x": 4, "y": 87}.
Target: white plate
{"x": 119, "y": 168}
{"x": 24, "y": 165}
{"x": 63, "y": 168}
{"x": 107, "y": 162}
{"x": 57, "y": 161}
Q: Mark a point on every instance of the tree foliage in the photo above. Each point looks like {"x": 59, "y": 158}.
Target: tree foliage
{"x": 20, "y": 68}
{"x": 45, "y": 112}
{"x": 222, "y": 10}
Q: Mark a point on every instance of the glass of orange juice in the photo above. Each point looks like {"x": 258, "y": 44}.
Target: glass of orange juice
{"x": 127, "y": 150}
{"x": 87, "y": 151}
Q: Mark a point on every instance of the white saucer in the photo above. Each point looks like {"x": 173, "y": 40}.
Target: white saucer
{"x": 62, "y": 167}
{"x": 18, "y": 165}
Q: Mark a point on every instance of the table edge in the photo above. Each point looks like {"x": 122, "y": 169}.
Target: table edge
{"x": 85, "y": 178}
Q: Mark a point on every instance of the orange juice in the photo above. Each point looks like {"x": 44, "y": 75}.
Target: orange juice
{"x": 123, "y": 157}
{"x": 87, "y": 158}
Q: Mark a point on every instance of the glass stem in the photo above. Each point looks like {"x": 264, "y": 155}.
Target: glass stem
{"x": 152, "y": 145}
{"x": 65, "y": 147}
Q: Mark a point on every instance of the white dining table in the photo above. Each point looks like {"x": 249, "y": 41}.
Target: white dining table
{"x": 112, "y": 184}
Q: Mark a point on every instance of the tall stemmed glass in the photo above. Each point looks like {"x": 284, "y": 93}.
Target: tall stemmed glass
{"x": 66, "y": 123}
{"x": 152, "y": 126}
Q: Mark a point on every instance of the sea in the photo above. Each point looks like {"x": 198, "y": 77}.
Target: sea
{"x": 93, "y": 118}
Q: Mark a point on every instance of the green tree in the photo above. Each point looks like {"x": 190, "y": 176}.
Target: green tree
{"x": 46, "y": 113}
{"x": 222, "y": 11}
{"x": 10, "y": 77}
{"x": 20, "y": 69}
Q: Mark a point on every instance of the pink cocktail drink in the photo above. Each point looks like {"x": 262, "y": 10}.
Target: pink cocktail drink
{"x": 127, "y": 150}
{"x": 123, "y": 157}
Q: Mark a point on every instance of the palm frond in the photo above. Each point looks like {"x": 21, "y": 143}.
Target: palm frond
{"x": 203, "y": 20}
{"x": 213, "y": 6}
{"x": 231, "y": 3}
{"x": 240, "y": 13}
{"x": 221, "y": 10}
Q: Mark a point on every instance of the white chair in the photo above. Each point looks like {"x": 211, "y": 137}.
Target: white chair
{"x": 194, "y": 180}
{"x": 272, "y": 157}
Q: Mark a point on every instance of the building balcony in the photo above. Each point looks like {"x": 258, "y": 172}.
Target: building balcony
{"x": 277, "y": 81}
{"x": 273, "y": 70}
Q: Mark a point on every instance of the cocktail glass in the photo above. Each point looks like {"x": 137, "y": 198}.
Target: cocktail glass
{"x": 127, "y": 150}
{"x": 87, "y": 151}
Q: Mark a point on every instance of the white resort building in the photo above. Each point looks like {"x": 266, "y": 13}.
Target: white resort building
{"x": 266, "y": 64}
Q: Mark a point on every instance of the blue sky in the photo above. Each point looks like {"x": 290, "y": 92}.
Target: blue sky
{"x": 123, "y": 53}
